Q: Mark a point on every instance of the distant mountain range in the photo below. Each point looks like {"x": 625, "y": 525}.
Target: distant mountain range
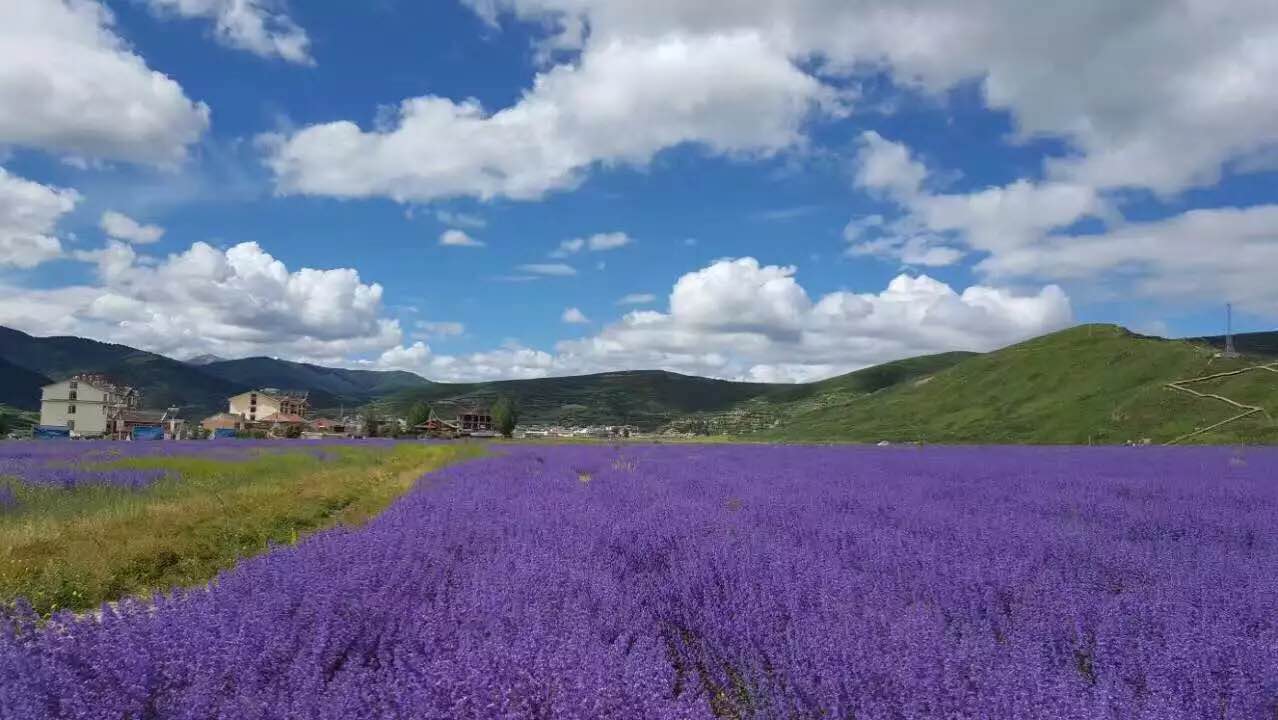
{"x": 202, "y": 385}
{"x": 164, "y": 382}
{"x": 199, "y": 388}
{"x": 1097, "y": 383}
{"x": 205, "y": 359}
{"x": 329, "y": 387}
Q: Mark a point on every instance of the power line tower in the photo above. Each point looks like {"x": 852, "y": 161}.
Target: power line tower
{"x": 1229, "y": 331}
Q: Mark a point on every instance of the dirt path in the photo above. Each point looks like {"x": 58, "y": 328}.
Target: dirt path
{"x": 1247, "y": 410}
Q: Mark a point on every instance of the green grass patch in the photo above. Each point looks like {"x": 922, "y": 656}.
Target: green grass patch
{"x": 76, "y": 549}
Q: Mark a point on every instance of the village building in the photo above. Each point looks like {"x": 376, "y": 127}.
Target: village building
{"x": 175, "y": 428}
{"x": 329, "y": 426}
{"x": 436, "y": 427}
{"x": 222, "y": 421}
{"x": 133, "y": 424}
{"x": 86, "y": 405}
{"x": 269, "y": 405}
{"x": 449, "y": 421}
{"x": 475, "y": 421}
{"x": 282, "y": 424}
{"x": 321, "y": 428}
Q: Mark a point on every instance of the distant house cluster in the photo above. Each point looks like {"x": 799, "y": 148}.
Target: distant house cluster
{"x": 597, "y": 432}
{"x": 467, "y": 422}
{"x": 270, "y": 411}
{"x": 93, "y": 406}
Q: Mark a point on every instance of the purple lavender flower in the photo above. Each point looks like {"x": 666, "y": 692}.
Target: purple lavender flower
{"x": 719, "y": 581}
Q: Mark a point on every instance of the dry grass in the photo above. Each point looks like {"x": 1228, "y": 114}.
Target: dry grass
{"x": 77, "y": 549}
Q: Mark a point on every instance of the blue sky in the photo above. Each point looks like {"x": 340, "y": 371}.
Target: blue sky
{"x": 782, "y": 190}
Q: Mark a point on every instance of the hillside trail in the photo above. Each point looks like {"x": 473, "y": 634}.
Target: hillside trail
{"x": 1247, "y": 410}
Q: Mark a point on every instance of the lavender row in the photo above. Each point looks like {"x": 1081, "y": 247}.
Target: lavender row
{"x": 744, "y": 582}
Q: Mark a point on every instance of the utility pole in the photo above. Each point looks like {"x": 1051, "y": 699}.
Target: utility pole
{"x": 1230, "y": 352}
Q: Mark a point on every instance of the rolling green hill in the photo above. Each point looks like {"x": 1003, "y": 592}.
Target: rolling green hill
{"x": 163, "y": 381}
{"x": 645, "y": 398}
{"x": 880, "y": 377}
{"x": 778, "y": 406}
{"x": 654, "y": 399}
{"x": 1093, "y": 383}
{"x": 329, "y": 387}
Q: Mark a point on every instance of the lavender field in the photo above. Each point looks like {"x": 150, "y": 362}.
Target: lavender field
{"x": 722, "y": 582}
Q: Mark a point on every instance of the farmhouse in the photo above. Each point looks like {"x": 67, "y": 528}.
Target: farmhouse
{"x": 436, "y": 427}
{"x": 449, "y": 421}
{"x": 282, "y": 423}
{"x": 222, "y": 421}
{"x": 143, "y": 424}
{"x": 329, "y": 426}
{"x": 270, "y": 405}
{"x": 475, "y": 421}
{"x": 87, "y": 405}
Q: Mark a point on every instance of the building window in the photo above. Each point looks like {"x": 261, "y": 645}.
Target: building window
{"x": 70, "y": 409}
{"x": 70, "y": 425}
{"x": 71, "y": 395}
{"x": 74, "y": 384}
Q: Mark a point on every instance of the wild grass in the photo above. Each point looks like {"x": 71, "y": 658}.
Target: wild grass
{"x": 1089, "y": 384}
{"x": 75, "y": 549}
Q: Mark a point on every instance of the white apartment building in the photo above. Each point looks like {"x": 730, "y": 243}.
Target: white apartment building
{"x": 87, "y": 406}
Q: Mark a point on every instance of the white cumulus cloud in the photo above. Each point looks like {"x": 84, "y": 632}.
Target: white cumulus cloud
{"x": 509, "y": 362}
{"x": 29, "y": 214}
{"x": 888, "y": 166}
{"x": 261, "y": 27}
{"x": 740, "y": 319}
{"x": 458, "y": 238}
{"x": 70, "y": 85}
{"x": 122, "y": 227}
{"x": 734, "y": 319}
{"x": 1021, "y": 231}
{"x": 1159, "y": 94}
{"x": 620, "y": 102}
{"x": 1214, "y": 255}
{"x": 937, "y": 229}
{"x": 234, "y": 302}
{"x": 574, "y": 316}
